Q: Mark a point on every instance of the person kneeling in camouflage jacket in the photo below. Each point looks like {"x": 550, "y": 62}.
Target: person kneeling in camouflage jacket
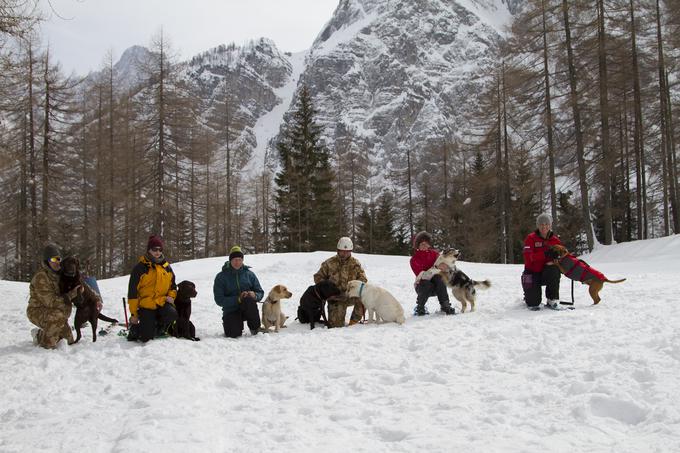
{"x": 47, "y": 307}
{"x": 341, "y": 269}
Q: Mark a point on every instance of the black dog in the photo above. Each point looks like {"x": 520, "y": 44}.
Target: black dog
{"x": 311, "y": 308}
{"x": 183, "y": 327}
{"x": 86, "y": 302}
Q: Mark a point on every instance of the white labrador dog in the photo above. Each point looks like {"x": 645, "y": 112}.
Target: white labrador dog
{"x": 377, "y": 301}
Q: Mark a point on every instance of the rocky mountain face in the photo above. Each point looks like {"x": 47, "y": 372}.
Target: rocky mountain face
{"x": 248, "y": 77}
{"x": 390, "y": 74}
{"x": 127, "y": 70}
{"x": 402, "y": 73}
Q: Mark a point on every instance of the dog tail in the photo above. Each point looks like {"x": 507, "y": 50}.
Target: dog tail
{"x": 482, "y": 285}
{"x": 615, "y": 281}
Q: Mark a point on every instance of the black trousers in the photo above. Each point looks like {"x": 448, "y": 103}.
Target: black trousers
{"x": 532, "y": 282}
{"x": 152, "y": 320}
{"x": 433, "y": 287}
{"x": 247, "y": 312}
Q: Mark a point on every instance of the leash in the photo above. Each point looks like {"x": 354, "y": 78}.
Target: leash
{"x": 361, "y": 290}
{"x": 323, "y": 302}
{"x": 572, "y": 296}
{"x": 567, "y": 274}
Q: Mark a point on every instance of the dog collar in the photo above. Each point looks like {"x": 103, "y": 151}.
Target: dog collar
{"x": 361, "y": 288}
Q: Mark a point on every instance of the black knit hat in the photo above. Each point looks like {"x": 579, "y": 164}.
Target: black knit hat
{"x": 51, "y": 250}
{"x": 235, "y": 252}
{"x": 422, "y": 237}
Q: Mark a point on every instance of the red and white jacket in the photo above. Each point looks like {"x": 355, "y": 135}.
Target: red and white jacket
{"x": 534, "y": 250}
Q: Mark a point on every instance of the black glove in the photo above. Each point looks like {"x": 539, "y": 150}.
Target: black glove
{"x": 551, "y": 254}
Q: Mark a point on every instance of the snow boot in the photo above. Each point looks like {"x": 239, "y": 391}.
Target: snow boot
{"x": 133, "y": 333}
{"x": 34, "y": 334}
{"x": 447, "y": 309}
{"x": 553, "y": 303}
{"x": 420, "y": 310}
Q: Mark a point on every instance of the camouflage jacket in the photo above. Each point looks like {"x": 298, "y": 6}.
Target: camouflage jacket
{"x": 340, "y": 271}
{"x": 44, "y": 291}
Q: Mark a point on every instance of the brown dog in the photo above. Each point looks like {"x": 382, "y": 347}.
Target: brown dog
{"x": 271, "y": 308}
{"x": 580, "y": 271}
{"x": 88, "y": 302}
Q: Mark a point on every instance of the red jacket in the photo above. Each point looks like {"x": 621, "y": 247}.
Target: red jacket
{"x": 534, "y": 250}
{"x": 579, "y": 270}
{"x": 422, "y": 260}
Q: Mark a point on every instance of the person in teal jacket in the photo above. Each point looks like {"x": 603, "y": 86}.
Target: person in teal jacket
{"x": 237, "y": 290}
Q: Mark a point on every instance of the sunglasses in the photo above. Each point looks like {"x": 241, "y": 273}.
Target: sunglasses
{"x": 156, "y": 249}
{"x": 55, "y": 259}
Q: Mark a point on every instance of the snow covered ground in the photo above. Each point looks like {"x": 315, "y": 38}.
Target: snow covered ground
{"x": 597, "y": 379}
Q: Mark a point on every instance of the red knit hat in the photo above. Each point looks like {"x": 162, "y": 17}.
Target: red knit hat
{"x": 154, "y": 241}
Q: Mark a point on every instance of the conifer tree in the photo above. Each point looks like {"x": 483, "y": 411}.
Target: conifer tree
{"x": 305, "y": 193}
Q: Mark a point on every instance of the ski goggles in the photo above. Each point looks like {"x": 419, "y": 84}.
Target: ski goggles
{"x": 55, "y": 259}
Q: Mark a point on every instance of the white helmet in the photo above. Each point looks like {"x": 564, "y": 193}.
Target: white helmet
{"x": 345, "y": 243}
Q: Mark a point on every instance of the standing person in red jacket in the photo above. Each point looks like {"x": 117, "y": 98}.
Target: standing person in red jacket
{"x": 423, "y": 259}
{"x": 539, "y": 265}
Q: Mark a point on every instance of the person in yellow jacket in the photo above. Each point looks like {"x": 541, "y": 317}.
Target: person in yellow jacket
{"x": 151, "y": 294}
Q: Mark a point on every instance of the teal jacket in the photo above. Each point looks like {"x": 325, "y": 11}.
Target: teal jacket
{"x": 230, "y": 283}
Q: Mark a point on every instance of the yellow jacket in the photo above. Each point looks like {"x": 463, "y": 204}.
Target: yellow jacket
{"x": 150, "y": 284}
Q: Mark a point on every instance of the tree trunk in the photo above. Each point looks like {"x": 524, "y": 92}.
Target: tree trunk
{"x": 500, "y": 193}
{"x": 160, "y": 189}
{"x": 44, "y": 215}
{"x": 31, "y": 146}
{"x": 607, "y": 160}
{"x": 578, "y": 132}
{"x": 508, "y": 189}
{"x": 410, "y": 194}
{"x": 549, "y": 120}
{"x": 111, "y": 233}
{"x": 668, "y": 181}
{"x": 99, "y": 190}
{"x": 227, "y": 127}
{"x": 638, "y": 141}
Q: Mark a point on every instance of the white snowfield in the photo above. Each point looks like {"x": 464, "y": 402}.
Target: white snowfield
{"x": 596, "y": 379}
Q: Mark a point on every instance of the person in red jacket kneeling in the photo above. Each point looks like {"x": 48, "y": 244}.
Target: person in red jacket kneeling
{"x": 540, "y": 268}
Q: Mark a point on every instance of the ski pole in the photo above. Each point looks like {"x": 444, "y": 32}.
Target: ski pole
{"x": 125, "y": 310}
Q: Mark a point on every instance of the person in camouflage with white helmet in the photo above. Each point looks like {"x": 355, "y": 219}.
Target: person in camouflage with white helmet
{"x": 341, "y": 269}
{"x": 47, "y": 307}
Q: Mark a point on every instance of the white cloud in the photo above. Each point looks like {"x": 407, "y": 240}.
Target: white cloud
{"x": 87, "y": 29}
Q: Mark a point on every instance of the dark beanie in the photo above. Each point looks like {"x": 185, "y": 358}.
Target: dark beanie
{"x": 423, "y": 236}
{"x": 235, "y": 252}
{"x": 51, "y": 250}
{"x": 154, "y": 241}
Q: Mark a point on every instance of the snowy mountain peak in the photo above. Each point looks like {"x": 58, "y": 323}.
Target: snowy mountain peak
{"x": 398, "y": 74}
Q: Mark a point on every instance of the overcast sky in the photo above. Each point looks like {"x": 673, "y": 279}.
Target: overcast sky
{"x": 87, "y": 29}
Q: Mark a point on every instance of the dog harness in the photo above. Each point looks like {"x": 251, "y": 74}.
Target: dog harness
{"x": 361, "y": 289}
{"x": 579, "y": 270}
